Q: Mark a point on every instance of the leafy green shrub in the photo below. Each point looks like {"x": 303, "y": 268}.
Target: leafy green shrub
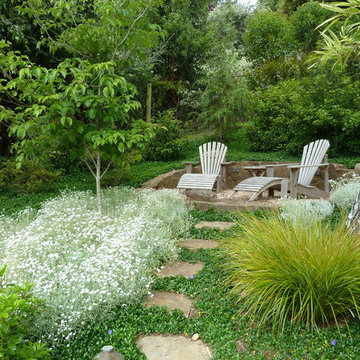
{"x": 304, "y": 22}
{"x": 64, "y": 163}
{"x": 273, "y": 72}
{"x": 267, "y": 37}
{"x": 29, "y": 178}
{"x": 305, "y": 211}
{"x": 82, "y": 264}
{"x": 17, "y": 310}
{"x": 166, "y": 145}
{"x": 298, "y": 111}
{"x": 281, "y": 270}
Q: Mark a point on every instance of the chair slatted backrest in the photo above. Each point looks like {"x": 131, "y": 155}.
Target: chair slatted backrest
{"x": 212, "y": 154}
{"x": 313, "y": 153}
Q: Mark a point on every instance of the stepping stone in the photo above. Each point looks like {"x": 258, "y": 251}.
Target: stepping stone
{"x": 180, "y": 268}
{"x": 221, "y": 225}
{"x": 173, "y": 347}
{"x": 194, "y": 244}
{"x": 241, "y": 346}
{"x": 172, "y": 301}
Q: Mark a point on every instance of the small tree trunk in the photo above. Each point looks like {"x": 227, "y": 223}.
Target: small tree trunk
{"x": 98, "y": 180}
{"x": 353, "y": 219}
{"x": 148, "y": 103}
{"x": 173, "y": 92}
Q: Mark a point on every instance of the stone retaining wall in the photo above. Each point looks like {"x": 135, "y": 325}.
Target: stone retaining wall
{"x": 236, "y": 173}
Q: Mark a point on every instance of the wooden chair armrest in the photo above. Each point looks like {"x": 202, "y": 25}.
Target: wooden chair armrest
{"x": 191, "y": 162}
{"x": 189, "y": 165}
{"x": 227, "y": 163}
{"x": 307, "y": 166}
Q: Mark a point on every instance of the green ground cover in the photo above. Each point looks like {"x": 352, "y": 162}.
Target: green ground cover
{"x": 80, "y": 179}
{"x": 218, "y": 322}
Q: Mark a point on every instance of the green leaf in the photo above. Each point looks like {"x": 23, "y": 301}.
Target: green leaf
{"x": 91, "y": 113}
{"x": 121, "y": 147}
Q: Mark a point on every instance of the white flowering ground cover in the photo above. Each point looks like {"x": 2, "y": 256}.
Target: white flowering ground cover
{"x": 81, "y": 264}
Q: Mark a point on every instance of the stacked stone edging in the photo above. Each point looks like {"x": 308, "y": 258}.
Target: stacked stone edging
{"x": 236, "y": 173}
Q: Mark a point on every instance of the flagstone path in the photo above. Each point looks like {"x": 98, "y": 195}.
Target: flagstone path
{"x": 195, "y": 244}
{"x": 220, "y": 225}
{"x": 173, "y": 347}
{"x": 177, "y": 268}
{"x": 179, "y": 347}
{"x": 172, "y": 301}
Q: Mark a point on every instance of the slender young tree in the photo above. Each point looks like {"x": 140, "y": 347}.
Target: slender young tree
{"x": 84, "y": 104}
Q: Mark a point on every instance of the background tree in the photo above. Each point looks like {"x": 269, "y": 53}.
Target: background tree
{"x": 305, "y": 21}
{"x": 180, "y": 53}
{"x": 225, "y": 26}
{"x": 225, "y": 99}
{"x": 84, "y": 104}
{"x": 267, "y": 37}
{"x": 22, "y": 35}
{"x": 273, "y": 5}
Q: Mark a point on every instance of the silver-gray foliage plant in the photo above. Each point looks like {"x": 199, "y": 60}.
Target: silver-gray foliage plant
{"x": 83, "y": 264}
{"x": 344, "y": 190}
{"x": 305, "y": 211}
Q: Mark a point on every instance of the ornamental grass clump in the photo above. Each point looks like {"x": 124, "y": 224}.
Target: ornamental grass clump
{"x": 284, "y": 270}
{"x": 82, "y": 264}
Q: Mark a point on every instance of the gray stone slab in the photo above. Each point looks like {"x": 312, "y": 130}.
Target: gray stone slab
{"x": 194, "y": 244}
{"x": 173, "y": 347}
{"x": 172, "y": 301}
{"x": 177, "y": 268}
{"x": 241, "y": 346}
{"x": 221, "y": 225}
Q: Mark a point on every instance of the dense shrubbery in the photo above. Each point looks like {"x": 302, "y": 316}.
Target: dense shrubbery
{"x": 18, "y": 308}
{"x": 295, "y": 112}
{"x": 295, "y": 105}
{"x": 31, "y": 177}
{"x": 166, "y": 145}
{"x": 273, "y": 72}
{"x": 304, "y": 22}
{"x": 281, "y": 270}
{"x": 267, "y": 37}
{"x": 83, "y": 264}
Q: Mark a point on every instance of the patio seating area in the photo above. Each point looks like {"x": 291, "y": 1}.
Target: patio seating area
{"x": 237, "y": 172}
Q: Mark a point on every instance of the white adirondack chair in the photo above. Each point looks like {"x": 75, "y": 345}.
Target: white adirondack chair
{"x": 213, "y": 168}
{"x": 301, "y": 175}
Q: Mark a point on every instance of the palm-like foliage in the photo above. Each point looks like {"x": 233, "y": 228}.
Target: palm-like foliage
{"x": 343, "y": 47}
